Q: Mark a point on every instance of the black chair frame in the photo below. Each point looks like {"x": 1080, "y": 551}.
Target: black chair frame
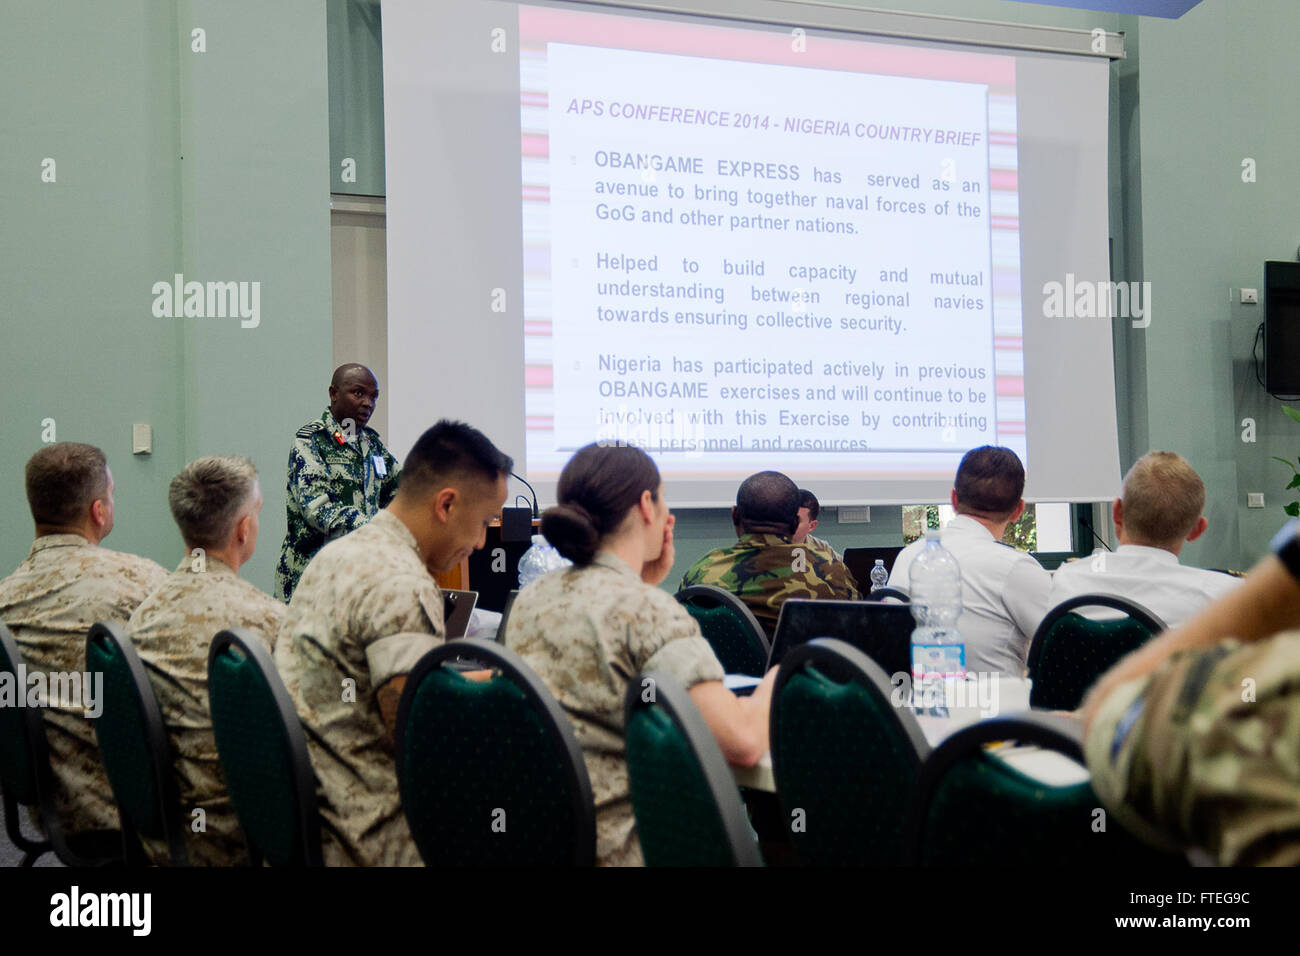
{"x": 496, "y": 657}
{"x": 162, "y": 768}
{"x": 879, "y": 594}
{"x": 77, "y": 849}
{"x": 677, "y": 703}
{"x": 308, "y": 850}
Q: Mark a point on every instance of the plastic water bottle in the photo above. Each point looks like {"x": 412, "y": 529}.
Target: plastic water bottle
{"x": 879, "y": 576}
{"x": 540, "y": 559}
{"x": 938, "y": 651}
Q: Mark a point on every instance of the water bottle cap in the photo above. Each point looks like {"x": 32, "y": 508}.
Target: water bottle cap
{"x": 931, "y": 534}
{"x": 880, "y": 562}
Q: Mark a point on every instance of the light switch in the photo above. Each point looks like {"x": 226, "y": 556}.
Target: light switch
{"x": 142, "y": 439}
{"x": 1255, "y": 499}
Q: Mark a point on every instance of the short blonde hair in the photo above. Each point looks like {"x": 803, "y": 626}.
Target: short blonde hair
{"x": 206, "y": 498}
{"x": 1163, "y": 499}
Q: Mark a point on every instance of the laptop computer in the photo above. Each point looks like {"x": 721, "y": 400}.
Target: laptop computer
{"x": 881, "y": 631}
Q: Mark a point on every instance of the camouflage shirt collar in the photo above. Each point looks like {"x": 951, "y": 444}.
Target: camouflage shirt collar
{"x": 332, "y": 425}
{"x": 210, "y": 565}
{"x": 59, "y": 541}
{"x": 763, "y": 540}
{"x": 392, "y": 526}
{"x": 610, "y": 560}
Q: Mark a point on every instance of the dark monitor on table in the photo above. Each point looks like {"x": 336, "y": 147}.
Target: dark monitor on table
{"x": 860, "y": 561}
{"x": 881, "y": 631}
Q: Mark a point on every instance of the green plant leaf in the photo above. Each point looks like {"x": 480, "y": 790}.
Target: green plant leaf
{"x": 1287, "y": 463}
{"x": 1293, "y": 509}
{"x": 1291, "y": 413}
{"x": 1294, "y": 482}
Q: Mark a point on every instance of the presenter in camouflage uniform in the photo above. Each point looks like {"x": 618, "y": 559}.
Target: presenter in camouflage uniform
{"x": 765, "y": 568}
{"x": 1191, "y": 740}
{"x": 340, "y": 474}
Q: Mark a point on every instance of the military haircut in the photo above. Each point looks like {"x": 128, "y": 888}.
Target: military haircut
{"x": 449, "y": 451}
{"x": 768, "y": 499}
{"x": 63, "y": 480}
{"x": 990, "y": 481}
{"x": 809, "y": 500}
{"x": 206, "y": 498}
{"x": 1163, "y": 499}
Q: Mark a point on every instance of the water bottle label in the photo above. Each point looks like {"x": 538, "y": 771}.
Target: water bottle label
{"x": 938, "y": 660}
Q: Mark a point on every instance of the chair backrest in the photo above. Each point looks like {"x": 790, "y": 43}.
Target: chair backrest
{"x": 881, "y": 631}
{"x": 729, "y": 626}
{"x": 133, "y": 744}
{"x": 687, "y": 804}
{"x": 20, "y": 725}
{"x": 973, "y": 809}
{"x": 263, "y": 752}
{"x": 490, "y": 771}
{"x": 27, "y": 779}
{"x": 846, "y": 753}
{"x": 1069, "y": 651}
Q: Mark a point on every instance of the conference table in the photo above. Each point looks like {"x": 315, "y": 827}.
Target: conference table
{"x": 1046, "y": 766}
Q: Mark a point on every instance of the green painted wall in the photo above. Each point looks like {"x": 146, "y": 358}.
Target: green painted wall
{"x": 209, "y": 164}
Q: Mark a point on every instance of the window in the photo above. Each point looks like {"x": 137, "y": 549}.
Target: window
{"x": 1046, "y": 527}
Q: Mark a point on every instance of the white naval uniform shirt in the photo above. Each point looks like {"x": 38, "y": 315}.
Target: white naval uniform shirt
{"x": 1150, "y": 576}
{"x": 1003, "y": 594}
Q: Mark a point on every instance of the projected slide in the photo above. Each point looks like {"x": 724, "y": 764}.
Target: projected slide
{"x": 740, "y": 254}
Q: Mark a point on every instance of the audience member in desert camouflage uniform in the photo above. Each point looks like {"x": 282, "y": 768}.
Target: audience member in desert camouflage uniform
{"x": 340, "y": 474}
{"x": 1191, "y": 739}
{"x": 590, "y": 629}
{"x": 66, "y": 584}
{"x": 215, "y": 502}
{"x": 765, "y": 568}
{"x": 366, "y": 610}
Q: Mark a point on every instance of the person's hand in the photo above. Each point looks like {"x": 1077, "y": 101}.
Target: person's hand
{"x": 653, "y": 572}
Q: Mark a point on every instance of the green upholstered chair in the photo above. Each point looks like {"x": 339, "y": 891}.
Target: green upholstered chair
{"x": 27, "y": 780}
{"x": 881, "y": 631}
{"x": 973, "y": 809}
{"x": 687, "y": 805}
{"x": 134, "y": 747}
{"x": 1069, "y": 651}
{"x": 729, "y": 626}
{"x": 845, "y": 758}
{"x": 263, "y": 752}
{"x": 490, "y": 771}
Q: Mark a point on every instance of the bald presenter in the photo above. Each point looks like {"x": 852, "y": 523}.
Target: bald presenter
{"x": 340, "y": 474}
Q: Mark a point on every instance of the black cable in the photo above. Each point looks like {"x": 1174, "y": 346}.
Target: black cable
{"x": 1087, "y": 524}
{"x": 530, "y": 488}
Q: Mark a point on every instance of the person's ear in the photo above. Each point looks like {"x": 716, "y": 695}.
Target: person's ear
{"x": 99, "y": 512}
{"x": 442, "y": 503}
{"x": 812, "y": 526}
{"x": 243, "y": 528}
{"x": 735, "y": 516}
{"x": 647, "y": 505}
{"x": 952, "y": 497}
{"x": 1015, "y": 515}
{"x": 1117, "y": 515}
{"x": 1201, "y": 524}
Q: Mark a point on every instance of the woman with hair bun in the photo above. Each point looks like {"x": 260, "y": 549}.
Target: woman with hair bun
{"x": 590, "y": 629}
